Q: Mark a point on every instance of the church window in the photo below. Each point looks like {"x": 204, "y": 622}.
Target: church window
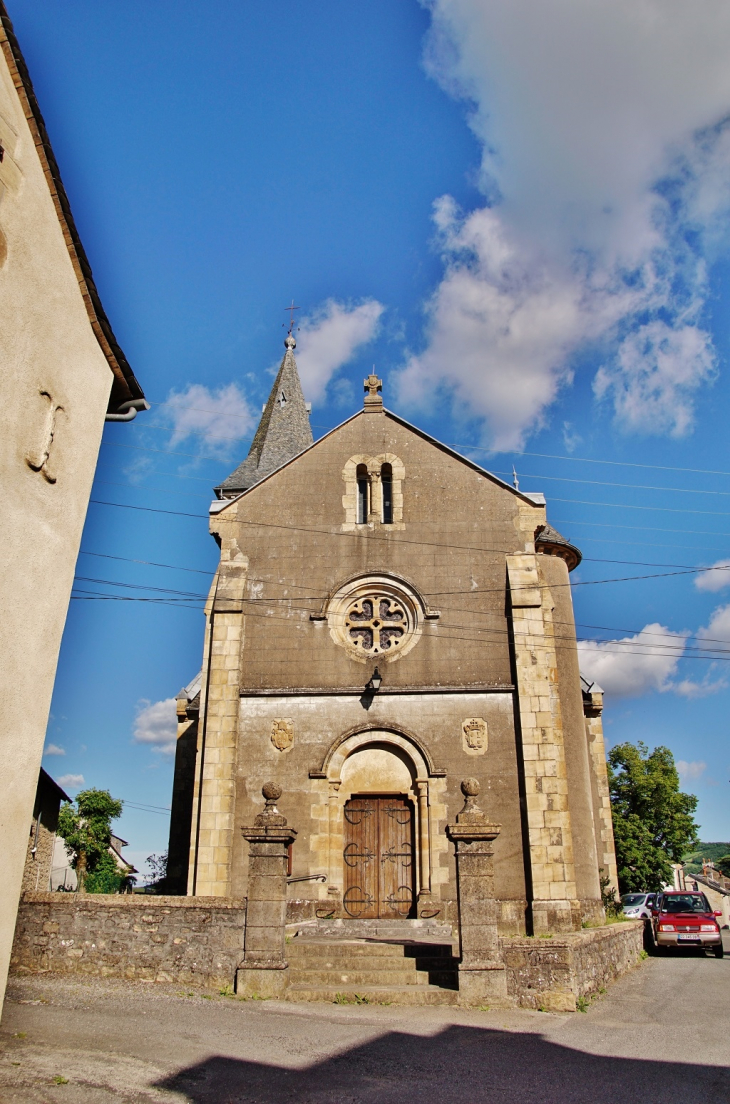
{"x": 386, "y": 482}
{"x": 376, "y": 624}
{"x": 282, "y": 399}
{"x": 373, "y": 493}
{"x": 376, "y": 615}
{"x": 363, "y": 488}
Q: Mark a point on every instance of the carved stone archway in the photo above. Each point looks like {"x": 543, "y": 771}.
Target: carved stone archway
{"x": 411, "y": 761}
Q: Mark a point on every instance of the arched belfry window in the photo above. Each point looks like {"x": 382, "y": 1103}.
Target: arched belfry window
{"x": 386, "y": 482}
{"x": 363, "y": 494}
{"x": 373, "y": 492}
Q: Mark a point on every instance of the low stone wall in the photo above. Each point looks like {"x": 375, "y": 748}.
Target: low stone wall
{"x": 192, "y": 940}
{"x": 551, "y": 974}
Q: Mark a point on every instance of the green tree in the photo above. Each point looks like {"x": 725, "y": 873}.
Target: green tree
{"x": 653, "y": 823}
{"x": 86, "y": 831}
{"x": 106, "y": 877}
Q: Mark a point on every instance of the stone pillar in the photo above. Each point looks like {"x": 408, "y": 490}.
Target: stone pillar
{"x": 214, "y": 794}
{"x": 482, "y": 977}
{"x": 264, "y": 967}
{"x": 425, "y": 899}
{"x": 554, "y": 904}
{"x": 593, "y": 709}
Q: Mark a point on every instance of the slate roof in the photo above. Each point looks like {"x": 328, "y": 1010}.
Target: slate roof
{"x": 284, "y": 430}
{"x": 548, "y": 535}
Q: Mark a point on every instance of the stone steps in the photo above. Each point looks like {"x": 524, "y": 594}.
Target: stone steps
{"x": 433, "y": 931}
{"x": 363, "y": 971}
{"x": 300, "y": 950}
{"x": 374, "y": 994}
{"x": 378, "y": 978}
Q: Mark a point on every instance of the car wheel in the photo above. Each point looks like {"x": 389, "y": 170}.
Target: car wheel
{"x": 718, "y": 951}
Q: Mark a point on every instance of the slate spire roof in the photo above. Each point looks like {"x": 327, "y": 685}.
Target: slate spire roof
{"x": 284, "y": 430}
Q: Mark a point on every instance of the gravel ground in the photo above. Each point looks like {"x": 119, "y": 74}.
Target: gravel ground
{"x": 661, "y": 1033}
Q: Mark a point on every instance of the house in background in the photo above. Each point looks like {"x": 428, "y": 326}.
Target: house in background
{"x": 47, "y": 864}
{"x": 63, "y": 374}
{"x": 63, "y": 875}
{"x": 40, "y": 856}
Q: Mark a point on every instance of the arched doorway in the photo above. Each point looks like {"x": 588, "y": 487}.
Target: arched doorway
{"x": 379, "y": 853}
{"x": 379, "y": 822}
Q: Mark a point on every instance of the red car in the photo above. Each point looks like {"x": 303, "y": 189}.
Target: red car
{"x": 683, "y": 919}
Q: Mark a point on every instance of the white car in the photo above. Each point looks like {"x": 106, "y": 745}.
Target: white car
{"x": 638, "y": 905}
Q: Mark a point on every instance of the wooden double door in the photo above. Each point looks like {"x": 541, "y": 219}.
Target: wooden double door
{"x": 379, "y": 858}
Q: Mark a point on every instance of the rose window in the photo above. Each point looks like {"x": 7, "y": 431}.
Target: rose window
{"x": 376, "y": 615}
{"x": 376, "y": 623}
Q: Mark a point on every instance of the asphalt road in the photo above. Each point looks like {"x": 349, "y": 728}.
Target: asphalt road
{"x": 660, "y": 1036}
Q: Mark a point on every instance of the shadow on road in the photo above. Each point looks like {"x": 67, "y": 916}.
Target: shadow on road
{"x": 470, "y": 1065}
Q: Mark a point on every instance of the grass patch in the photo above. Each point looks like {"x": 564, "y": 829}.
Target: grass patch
{"x": 227, "y": 991}
{"x": 484, "y": 1008}
{"x": 58, "y": 1080}
{"x": 582, "y": 1004}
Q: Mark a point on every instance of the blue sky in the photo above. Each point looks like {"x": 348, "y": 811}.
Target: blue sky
{"x": 518, "y": 212}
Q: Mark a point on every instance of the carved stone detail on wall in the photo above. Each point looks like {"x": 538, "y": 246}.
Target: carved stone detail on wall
{"x": 39, "y": 461}
{"x": 282, "y": 734}
{"x": 476, "y": 737}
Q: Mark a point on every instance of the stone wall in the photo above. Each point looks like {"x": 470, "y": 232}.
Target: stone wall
{"x": 191, "y": 940}
{"x": 552, "y": 973}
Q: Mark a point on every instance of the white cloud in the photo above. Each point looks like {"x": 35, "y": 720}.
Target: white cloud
{"x": 329, "y": 338}
{"x": 687, "y": 770}
{"x": 717, "y": 577}
{"x": 716, "y": 636}
{"x": 54, "y": 749}
{"x": 156, "y": 724}
{"x": 634, "y": 665}
{"x": 689, "y": 688}
{"x": 656, "y": 370}
{"x": 218, "y": 418}
{"x": 605, "y": 164}
{"x": 71, "y": 781}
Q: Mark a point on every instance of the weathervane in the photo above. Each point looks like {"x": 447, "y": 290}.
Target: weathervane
{"x": 291, "y": 310}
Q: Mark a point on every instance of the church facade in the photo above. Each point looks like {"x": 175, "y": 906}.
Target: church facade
{"x": 388, "y": 619}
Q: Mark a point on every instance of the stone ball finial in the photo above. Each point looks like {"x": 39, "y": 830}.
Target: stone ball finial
{"x": 290, "y": 342}
{"x": 272, "y": 791}
{"x": 470, "y": 787}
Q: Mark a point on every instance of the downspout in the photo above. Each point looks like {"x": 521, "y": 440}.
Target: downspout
{"x": 127, "y": 411}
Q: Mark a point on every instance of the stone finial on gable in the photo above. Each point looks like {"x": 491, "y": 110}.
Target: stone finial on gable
{"x": 373, "y": 396}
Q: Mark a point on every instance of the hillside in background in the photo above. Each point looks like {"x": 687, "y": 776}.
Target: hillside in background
{"x": 707, "y": 851}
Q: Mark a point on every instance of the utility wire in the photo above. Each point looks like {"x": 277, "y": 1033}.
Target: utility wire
{"x": 483, "y": 448}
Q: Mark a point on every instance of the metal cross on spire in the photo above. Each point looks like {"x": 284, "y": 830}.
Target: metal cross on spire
{"x": 291, "y": 310}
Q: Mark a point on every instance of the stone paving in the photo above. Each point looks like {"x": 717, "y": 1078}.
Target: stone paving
{"x": 659, "y": 1034}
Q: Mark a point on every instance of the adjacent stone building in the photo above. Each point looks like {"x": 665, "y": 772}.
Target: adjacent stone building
{"x": 387, "y": 619}
{"x": 63, "y": 373}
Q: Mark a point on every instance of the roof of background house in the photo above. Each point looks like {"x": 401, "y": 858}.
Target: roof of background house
{"x": 125, "y": 385}
{"x": 45, "y": 780}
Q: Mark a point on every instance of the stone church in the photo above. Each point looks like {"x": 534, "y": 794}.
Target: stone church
{"x": 388, "y": 619}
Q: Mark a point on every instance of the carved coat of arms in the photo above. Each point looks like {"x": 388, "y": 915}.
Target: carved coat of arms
{"x": 282, "y": 734}
{"x": 475, "y": 733}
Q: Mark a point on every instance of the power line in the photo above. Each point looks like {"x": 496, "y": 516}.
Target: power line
{"x": 681, "y": 648}
{"x": 483, "y": 448}
{"x": 622, "y": 647}
{"x": 148, "y": 563}
{"x": 451, "y": 547}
